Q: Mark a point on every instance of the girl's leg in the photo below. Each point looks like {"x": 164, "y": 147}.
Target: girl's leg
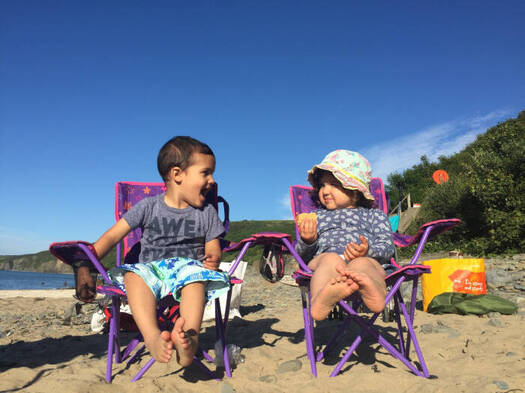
{"x": 368, "y": 274}
{"x": 328, "y": 285}
{"x": 144, "y": 309}
{"x": 185, "y": 334}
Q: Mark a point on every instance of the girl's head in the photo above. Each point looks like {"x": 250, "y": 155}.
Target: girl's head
{"x": 177, "y": 152}
{"x": 342, "y": 180}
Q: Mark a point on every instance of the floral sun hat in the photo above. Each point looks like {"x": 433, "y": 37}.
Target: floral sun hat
{"x": 350, "y": 168}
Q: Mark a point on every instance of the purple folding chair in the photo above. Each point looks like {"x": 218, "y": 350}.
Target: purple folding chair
{"x": 404, "y": 318}
{"x": 128, "y": 194}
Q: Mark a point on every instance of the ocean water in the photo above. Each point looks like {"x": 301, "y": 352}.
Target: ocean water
{"x": 34, "y": 280}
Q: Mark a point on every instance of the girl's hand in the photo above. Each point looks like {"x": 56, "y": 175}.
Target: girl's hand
{"x": 353, "y": 251}
{"x": 308, "y": 230}
{"x": 211, "y": 262}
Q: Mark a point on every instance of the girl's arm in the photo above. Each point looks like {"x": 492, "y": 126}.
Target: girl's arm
{"x": 111, "y": 237}
{"x": 306, "y": 245}
{"x": 212, "y": 254}
{"x": 381, "y": 247}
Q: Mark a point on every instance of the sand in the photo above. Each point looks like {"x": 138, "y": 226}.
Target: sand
{"x": 39, "y": 353}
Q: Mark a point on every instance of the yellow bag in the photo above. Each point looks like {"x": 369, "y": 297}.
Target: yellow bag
{"x": 453, "y": 275}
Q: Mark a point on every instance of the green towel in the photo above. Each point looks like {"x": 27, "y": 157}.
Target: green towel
{"x": 464, "y": 303}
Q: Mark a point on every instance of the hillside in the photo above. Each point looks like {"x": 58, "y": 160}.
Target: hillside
{"x": 44, "y": 262}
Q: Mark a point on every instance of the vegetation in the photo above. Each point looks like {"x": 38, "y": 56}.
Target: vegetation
{"x": 485, "y": 191}
{"x": 242, "y": 229}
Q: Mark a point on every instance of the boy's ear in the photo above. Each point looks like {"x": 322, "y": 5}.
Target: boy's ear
{"x": 175, "y": 173}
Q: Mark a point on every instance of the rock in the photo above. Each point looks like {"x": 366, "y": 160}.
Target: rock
{"x": 227, "y": 388}
{"x": 498, "y": 277}
{"x": 495, "y": 322}
{"x": 501, "y": 384}
{"x": 289, "y": 366}
{"x": 268, "y": 378}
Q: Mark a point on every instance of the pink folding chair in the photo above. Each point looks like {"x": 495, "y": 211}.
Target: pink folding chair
{"x": 128, "y": 194}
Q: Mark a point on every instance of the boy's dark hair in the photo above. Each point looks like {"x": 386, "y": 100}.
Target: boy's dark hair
{"x": 177, "y": 152}
{"x": 314, "y": 194}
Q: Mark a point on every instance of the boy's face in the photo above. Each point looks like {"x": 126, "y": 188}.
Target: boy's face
{"x": 197, "y": 179}
{"x": 332, "y": 194}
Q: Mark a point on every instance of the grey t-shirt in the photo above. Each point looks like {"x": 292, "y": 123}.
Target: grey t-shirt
{"x": 337, "y": 228}
{"x": 168, "y": 232}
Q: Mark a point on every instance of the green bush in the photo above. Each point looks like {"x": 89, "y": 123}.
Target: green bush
{"x": 486, "y": 194}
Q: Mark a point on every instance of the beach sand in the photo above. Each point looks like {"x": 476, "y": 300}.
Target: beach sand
{"x": 41, "y": 352}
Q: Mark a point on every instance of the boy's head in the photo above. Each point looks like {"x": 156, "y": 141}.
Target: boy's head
{"x": 349, "y": 170}
{"x": 177, "y": 152}
{"x": 187, "y": 167}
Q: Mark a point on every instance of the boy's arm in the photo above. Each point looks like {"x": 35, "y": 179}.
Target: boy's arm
{"x": 212, "y": 254}
{"x": 111, "y": 237}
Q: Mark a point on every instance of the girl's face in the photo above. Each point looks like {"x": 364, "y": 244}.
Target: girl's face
{"x": 332, "y": 195}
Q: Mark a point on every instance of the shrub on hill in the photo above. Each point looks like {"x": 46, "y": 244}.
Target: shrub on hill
{"x": 486, "y": 193}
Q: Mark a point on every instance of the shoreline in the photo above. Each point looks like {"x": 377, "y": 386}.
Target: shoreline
{"x": 40, "y": 293}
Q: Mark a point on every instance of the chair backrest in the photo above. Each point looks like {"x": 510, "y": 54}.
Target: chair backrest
{"x": 127, "y": 194}
{"x": 301, "y": 200}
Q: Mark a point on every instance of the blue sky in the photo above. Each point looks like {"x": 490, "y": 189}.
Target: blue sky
{"x": 91, "y": 90}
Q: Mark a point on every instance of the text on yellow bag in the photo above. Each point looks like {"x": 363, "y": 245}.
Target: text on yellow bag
{"x": 453, "y": 275}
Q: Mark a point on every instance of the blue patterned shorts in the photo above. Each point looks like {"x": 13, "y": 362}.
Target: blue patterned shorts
{"x": 171, "y": 275}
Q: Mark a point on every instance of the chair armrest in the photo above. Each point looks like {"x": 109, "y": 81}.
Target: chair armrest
{"x": 76, "y": 252}
{"x": 436, "y": 227}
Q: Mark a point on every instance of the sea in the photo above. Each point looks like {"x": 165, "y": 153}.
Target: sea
{"x": 32, "y": 280}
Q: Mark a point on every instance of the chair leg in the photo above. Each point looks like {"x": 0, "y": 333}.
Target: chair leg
{"x": 397, "y": 315}
{"x": 417, "y": 348}
{"x": 113, "y": 326}
{"x": 143, "y": 370}
{"x": 412, "y": 310}
{"x": 308, "y": 329}
{"x": 220, "y": 328}
{"x": 115, "y": 309}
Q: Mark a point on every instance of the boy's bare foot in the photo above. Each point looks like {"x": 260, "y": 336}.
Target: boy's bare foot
{"x": 185, "y": 343}
{"x": 335, "y": 290}
{"x": 160, "y": 347}
{"x": 372, "y": 292}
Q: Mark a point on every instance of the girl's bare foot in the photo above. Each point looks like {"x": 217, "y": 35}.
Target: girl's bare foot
{"x": 336, "y": 289}
{"x": 185, "y": 343}
{"x": 160, "y": 347}
{"x": 372, "y": 292}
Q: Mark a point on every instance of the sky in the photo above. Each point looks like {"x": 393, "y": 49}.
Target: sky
{"x": 90, "y": 91}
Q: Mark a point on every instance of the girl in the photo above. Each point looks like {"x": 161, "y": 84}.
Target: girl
{"x": 348, "y": 240}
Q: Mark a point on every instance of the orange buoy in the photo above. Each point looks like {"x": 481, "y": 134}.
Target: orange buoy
{"x": 440, "y": 176}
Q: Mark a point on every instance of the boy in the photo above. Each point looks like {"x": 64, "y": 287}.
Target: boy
{"x": 180, "y": 251}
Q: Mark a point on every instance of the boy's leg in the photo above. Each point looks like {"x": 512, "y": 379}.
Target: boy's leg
{"x": 144, "y": 310}
{"x": 328, "y": 286}
{"x": 185, "y": 334}
{"x": 368, "y": 274}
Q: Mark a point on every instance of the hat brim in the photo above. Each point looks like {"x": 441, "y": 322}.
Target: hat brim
{"x": 347, "y": 181}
